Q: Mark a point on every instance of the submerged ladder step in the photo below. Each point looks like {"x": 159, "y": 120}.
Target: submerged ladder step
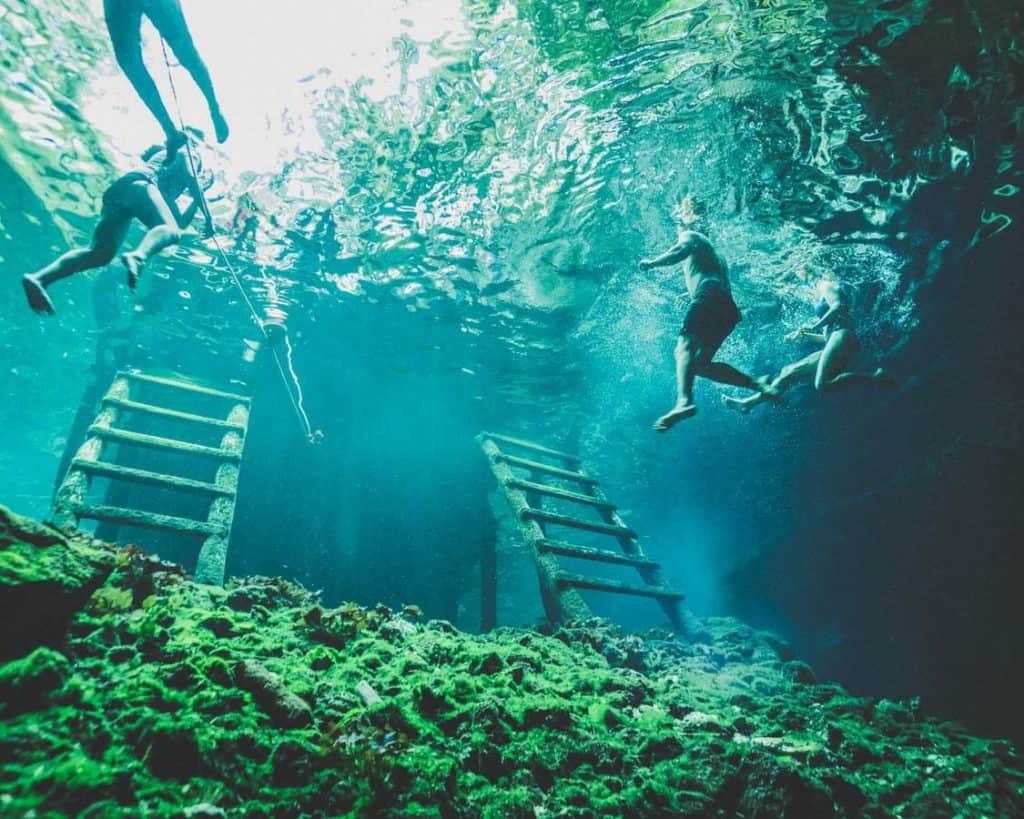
{"x": 127, "y": 473}
{"x": 149, "y": 520}
{"x": 577, "y": 523}
{"x": 557, "y": 547}
{"x": 505, "y": 439}
{"x": 555, "y": 492}
{"x": 537, "y": 466}
{"x": 163, "y": 412}
{"x": 156, "y": 442}
{"x": 186, "y": 386}
{"x": 577, "y": 581}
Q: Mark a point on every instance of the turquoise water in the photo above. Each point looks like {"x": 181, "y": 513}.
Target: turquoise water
{"x": 453, "y": 198}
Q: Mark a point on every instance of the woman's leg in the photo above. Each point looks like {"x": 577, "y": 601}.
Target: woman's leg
{"x": 170, "y": 21}
{"x": 106, "y": 239}
{"x": 837, "y": 359}
{"x": 799, "y": 370}
{"x": 149, "y": 207}
{"x": 124, "y": 18}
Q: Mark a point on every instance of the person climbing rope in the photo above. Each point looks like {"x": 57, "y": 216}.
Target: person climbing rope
{"x": 124, "y": 21}
{"x": 710, "y": 318}
{"x": 829, "y": 366}
{"x": 148, "y": 194}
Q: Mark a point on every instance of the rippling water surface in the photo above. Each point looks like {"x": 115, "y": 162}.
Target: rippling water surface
{"x": 499, "y": 167}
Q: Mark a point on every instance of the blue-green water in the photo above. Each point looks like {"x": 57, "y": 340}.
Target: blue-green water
{"x": 453, "y": 199}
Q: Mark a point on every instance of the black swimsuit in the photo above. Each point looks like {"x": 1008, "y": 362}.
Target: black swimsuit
{"x": 712, "y": 315}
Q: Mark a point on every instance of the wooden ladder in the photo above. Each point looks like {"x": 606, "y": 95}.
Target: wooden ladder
{"x": 558, "y": 588}
{"x": 118, "y": 407}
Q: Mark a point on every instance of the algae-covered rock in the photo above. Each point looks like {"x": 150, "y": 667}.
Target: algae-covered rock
{"x": 27, "y": 683}
{"x": 172, "y": 699}
{"x": 45, "y": 578}
{"x": 285, "y": 708}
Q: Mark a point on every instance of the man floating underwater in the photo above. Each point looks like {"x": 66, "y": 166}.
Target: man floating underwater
{"x": 150, "y": 195}
{"x": 710, "y": 318}
{"x": 124, "y": 21}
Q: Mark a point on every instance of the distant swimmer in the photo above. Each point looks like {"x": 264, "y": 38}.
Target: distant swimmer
{"x": 150, "y": 195}
{"x": 124, "y": 21}
{"x": 711, "y": 317}
{"x": 830, "y": 366}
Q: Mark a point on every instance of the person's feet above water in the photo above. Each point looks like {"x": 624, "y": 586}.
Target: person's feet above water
{"x": 174, "y": 143}
{"x": 220, "y": 125}
{"x": 133, "y": 264}
{"x": 38, "y": 299}
{"x": 679, "y": 412}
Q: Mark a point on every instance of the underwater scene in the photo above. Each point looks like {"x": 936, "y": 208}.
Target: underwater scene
{"x": 512, "y": 408}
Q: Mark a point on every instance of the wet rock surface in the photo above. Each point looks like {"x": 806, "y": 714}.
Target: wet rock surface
{"x": 164, "y": 698}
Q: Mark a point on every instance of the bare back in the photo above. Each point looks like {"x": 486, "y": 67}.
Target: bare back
{"x": 703, "y": 262}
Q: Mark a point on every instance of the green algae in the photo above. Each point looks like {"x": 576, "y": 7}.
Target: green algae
{"x": 166, "y": 698}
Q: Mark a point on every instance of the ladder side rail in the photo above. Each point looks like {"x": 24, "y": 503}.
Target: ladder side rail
{"x": 211, "y": 564}
{"x": 559, "y": 605}
{"x": 71, "y": 496}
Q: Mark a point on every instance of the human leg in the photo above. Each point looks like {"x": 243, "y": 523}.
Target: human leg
{"x": 804, "y": 368}
{"x": 124, "y": 18}
{"x": 106, "y": 239}
{"x": 727, "y": 374}
{"x": 170, "y": 21}
{"x": 686, "y": 371}
{"x": 149, "y": 207}
{"x": 837, "y": 359}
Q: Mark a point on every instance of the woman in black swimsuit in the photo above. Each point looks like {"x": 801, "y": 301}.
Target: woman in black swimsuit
{"x": 148, "y": 194}
{"x": 831, "y": 365}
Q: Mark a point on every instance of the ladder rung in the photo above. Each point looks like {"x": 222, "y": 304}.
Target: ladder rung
{"x": 505, "y": 439}
{"x": 185, "y": 385}
{"x": 526, "y": 463}
{"x": 150, "y": 409}
{"x": 150, "y": 520}
{"x": 156, "y": 442}
{"x": 126, "y": 473}
{"x": 576, "y": 523}
{"x": 555, "y": 492}
{"x": 616, "y": 587}
{"x": 557, "y": 547}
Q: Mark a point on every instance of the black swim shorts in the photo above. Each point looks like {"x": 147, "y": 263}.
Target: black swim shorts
{"x": 712, "y": 315}
{"x": 121, "y": 195}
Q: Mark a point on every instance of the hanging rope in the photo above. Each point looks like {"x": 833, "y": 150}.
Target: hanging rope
{"x": 290, "y": 378}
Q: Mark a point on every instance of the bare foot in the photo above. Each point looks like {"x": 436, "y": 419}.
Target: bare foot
{"x": 674, "y": 416}
{"x": 38, "y": 299}
{"x": 220, "y": 125}
{"x": 134, "y": 266}
{"x": 174, "y": 142}
{"x": 738, "y": 404}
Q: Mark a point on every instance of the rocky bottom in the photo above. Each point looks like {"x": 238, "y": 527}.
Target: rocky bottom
{"x": 127, "y": 690}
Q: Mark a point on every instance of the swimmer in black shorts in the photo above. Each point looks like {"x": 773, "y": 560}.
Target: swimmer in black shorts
{"x": 711, "y": 316}
{"x": 148, "y": 194}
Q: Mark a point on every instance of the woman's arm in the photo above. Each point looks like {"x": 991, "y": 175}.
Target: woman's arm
{"x": 825, "y": 319}
{"x": 803, "y": 332}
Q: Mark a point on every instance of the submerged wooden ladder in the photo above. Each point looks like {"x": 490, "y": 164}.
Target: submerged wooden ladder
{"x": 119, "y": 405}
{"x": 559, "y": 588}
